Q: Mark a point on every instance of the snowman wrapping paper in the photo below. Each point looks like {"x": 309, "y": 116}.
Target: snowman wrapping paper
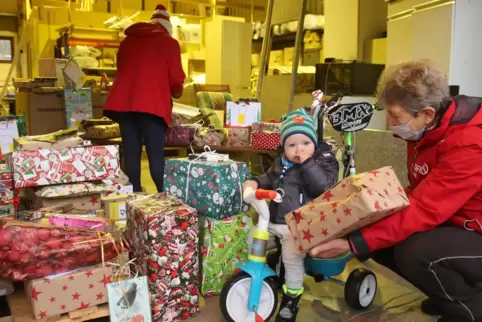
{"x": 224, "y": 246}
{"x": 213, "y": 188}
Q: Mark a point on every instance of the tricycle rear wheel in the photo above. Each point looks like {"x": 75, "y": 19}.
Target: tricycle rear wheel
{"x": 360, "y": 289}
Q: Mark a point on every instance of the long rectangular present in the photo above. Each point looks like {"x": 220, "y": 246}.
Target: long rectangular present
{"x": 353, "y": 203}
{"x": 224, "y": 245}
{"x": 56, "y": 140}
{"x": 164, "y": 235}
{"x": 76, "y": 290}
{"x": 58, "y": 166}
{"x": 213, "y": 188}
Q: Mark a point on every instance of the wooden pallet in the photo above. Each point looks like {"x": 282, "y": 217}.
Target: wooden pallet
{"x": 21, "y": 311}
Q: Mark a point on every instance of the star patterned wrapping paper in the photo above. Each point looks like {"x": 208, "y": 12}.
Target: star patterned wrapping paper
{"x": 213, "y": 188}
{"x": 68, "y": 292}
{"x": 224, "y": 245}
{"x": 163, "y": 233}
{"x": 353, "y": 203}
{"x": 88, "y": 203}
{"x": 58, "y": 166}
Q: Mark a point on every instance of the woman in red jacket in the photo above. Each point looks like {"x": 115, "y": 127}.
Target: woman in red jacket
{"x": 149, "y": 74}
{"x": 436, "y": 242}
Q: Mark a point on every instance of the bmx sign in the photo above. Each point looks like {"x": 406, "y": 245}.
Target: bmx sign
{"x": 351, "y": 117}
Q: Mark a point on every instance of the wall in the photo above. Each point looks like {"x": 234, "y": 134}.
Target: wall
{"x": 8, "y": 28}
{"x": 341, "y": 29}
{"x": 466, "y": 65}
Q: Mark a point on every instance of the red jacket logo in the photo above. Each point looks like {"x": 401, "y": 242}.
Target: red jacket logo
{"x": 420, "y": 169}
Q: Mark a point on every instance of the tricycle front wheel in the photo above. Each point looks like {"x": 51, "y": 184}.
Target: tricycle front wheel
{"x": 234, "y": 299}
{"x": 360, "y": 289}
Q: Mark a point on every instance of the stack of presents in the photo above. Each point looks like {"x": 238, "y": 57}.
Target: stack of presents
{"x": 78, "y": 237}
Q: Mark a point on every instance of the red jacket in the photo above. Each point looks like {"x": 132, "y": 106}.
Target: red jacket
{"x": 445, "y": 174}
{"x": 149, "y": 72}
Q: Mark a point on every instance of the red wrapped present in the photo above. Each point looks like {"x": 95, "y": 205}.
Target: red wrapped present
{"x": 164, "y": 234}
{"x": 353, "y": 203}
{"x": 29, "y": 251}
{"x": 58, "y": 166}
{"x": 265, "y": 141}
{"x": 76, "y": 290}
{"x": 182, "y": 135}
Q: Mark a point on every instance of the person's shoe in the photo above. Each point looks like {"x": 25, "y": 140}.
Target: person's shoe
{"x": 290, "y": 304}
{"x": 429, "y": 307}
{"x": 447, "y": 318}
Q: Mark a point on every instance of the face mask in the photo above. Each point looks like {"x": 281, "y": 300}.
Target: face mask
{"x": 405, "y": 132}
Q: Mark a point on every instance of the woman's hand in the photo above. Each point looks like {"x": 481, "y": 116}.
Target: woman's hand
{"x": 250, "y": 184}
{"x": 331, "y": 249}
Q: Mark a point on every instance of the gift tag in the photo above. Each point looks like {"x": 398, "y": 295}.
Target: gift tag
{"x": 117, "y": 210}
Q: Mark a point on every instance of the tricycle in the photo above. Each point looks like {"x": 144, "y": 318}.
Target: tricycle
{"x": 252, "y": 294}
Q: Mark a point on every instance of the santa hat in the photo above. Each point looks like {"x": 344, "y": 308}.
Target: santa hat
{"x": 161, "y": 16}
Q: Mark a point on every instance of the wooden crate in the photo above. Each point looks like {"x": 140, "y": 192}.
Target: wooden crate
{"x": 22, "y": 312}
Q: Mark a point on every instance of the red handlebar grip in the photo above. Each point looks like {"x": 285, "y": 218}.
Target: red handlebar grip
{"x": 265, "y": 194}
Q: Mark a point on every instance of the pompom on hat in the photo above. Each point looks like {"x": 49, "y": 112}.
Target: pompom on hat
{"x": 161, "y": 16}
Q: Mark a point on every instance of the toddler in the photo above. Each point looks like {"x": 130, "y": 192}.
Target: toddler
{"x": 305, "y": 170}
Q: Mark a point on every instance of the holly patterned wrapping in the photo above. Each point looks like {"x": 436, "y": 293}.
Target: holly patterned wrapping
{"x": 224, "y": 245}
{"x": 164, "y": 235}
{"x": 76, "y": 290}
{"x": 265, "y": 141}
{"x": 239, "y": 136}
{"x": 58, "y": 166}
{"x": 353, "y": 203}
{"x": 29, "y": 251}
{"x": 213, "y": 188}
{"x": 182, "y": 135}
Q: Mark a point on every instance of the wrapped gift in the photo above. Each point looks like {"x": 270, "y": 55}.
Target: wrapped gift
{"x": 6, "y": 173}
{"x": 115, "y": 207}
{"x": 73, "y": 190}
{"x": 213, "y": 188}
{"x": 209, "y": 136}
{"x": 182, "y": 135}
{"x": 239, "y": 136}
{"x": 265, "y": 141}
{"x": 29, "y": 251}
{"x": 7, "y": 211}
{"x": 164, "y": 235}
{"x": 89, "y": 203}
{"x": 121, "y": 185}
{"x": 108, "y": 131}
{"x": 59, "y": 166}
{"x": 57, "y": 140}
{"x": 353, "y": 203}
{"x": 129, "y": 300}
{"x": 224, "y": 246}
{"x": 266, "y": 127}
{"x": 69, "y": 292}
{"x": 85, "y": 222}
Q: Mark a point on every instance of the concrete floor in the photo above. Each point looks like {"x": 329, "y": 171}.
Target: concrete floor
{"x": 396, "y": 299}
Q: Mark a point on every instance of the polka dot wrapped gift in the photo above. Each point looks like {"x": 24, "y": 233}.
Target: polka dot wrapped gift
{"x": 213, "y": 188}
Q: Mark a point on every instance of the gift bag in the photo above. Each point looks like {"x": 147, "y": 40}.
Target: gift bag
{"x": 242, "y": 114}
{"x": 8, "y": 131}
{"x": 353, "y": 203}
{"x": 129, "y": 300}
{"x": 78, "y": 106}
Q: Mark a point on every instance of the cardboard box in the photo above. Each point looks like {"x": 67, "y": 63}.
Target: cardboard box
{"x": 68, "y": 292}
{"x": 52, "y": 67}
{"x": 353, "y": 203}
{"x": 276, "y": 58}
{"x": 44, "y": 110}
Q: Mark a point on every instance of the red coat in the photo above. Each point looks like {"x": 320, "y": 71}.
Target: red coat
{"x": 149, "y": 72}
{"x": 445, "y": 174}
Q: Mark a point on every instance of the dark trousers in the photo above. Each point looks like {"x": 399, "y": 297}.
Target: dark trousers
{"x": 150, "y": 129}
{"x": 445, "y": 264}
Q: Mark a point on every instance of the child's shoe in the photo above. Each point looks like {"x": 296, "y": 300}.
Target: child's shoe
{"x": 290, "y": 304}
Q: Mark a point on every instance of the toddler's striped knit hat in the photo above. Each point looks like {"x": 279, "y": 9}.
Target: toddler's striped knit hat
{"x": 296, "y": 122}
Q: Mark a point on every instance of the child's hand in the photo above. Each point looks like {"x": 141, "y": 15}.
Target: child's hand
{"x": 250, "y": 184}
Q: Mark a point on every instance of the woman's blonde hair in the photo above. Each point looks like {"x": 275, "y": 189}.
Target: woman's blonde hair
{"x": 413, "y": 85}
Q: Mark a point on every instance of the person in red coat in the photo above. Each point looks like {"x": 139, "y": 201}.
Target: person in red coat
{"x": 436, "y": 242}
{"x": 149, "y": 74}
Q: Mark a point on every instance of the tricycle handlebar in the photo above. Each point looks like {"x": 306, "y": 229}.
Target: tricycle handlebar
{"x": 261, "y": 194}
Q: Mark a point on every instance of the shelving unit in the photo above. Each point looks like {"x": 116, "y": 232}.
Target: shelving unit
{"x": 284, "y": 40}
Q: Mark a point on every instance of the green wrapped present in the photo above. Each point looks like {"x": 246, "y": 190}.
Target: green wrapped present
{"x": 213, "y": 188}
{"x": 225, "y": 245}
